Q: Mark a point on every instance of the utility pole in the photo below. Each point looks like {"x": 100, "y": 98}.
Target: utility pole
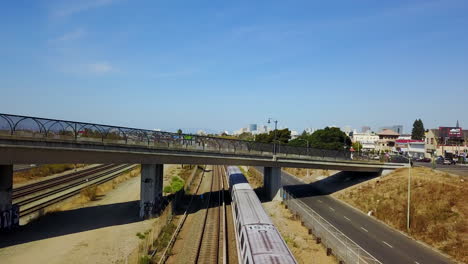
{"x": 274, "y": 138}
{"x": 409, "y": 191}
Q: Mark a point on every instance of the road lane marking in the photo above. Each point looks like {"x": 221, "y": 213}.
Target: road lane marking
{"x": 416, "y": 262}
{"x": 364, "y": 229}
{"x": 387, "y": 244}
{"x": 331, "y": 209}
{"x": 347, "y": 218}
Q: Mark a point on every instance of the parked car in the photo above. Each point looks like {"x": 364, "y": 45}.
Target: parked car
{"x": 424, "y": 160}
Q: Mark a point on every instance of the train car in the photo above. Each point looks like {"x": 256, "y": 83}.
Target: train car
{"x": 258, "y": 240}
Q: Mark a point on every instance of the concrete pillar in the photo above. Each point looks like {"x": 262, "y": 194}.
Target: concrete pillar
{"x": 272, "y": 183}
{"x": 9, "y": 214}
{"x": 151, "y": 189}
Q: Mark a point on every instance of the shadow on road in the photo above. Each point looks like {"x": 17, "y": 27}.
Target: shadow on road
{"x": 329, "y": 185}
{"x": 73, "y": 221}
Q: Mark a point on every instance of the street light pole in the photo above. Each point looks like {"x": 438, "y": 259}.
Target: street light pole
{"x": 274, "y": 139}
{"x": 409, "y": 191}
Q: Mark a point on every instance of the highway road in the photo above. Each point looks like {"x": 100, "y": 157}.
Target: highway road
{"x": 381, "y": 241}
{"x": 454, "y": 169}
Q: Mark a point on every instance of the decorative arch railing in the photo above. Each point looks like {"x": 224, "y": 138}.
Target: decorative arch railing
{"x": 54, "y": 129}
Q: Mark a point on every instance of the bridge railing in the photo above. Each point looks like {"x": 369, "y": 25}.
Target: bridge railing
{"x": 43, "y": 128}
{"x": 342, "y": 246}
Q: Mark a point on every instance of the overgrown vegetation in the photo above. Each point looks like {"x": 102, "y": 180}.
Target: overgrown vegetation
{"x": 165, "y": 237}
{"x": 145, "y": 259}
{"x": 42, "y": 171}
{"x": 439, "y": 212}
{"x": 89, "y": 192}
{"x": 175, "y": 185}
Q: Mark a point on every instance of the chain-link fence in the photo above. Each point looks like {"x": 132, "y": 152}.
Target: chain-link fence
{"x": 342, "y": 247}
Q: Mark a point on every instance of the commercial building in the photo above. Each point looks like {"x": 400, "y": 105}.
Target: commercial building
{"x": 387, "y": 139}
{"x": 252, "y": 127}
{"x": 446, "y": 140}
{"x": 396, "y": 128}
{"x": 368, "y": 140}
{"x": 415, "y": 148}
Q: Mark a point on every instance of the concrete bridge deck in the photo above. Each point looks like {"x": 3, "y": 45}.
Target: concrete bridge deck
{"x": 17, "y": 150}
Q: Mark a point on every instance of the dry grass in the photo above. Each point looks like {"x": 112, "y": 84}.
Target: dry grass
{"x": 439, "y": 209}
{"x": 89, "y": 192}
{"x": 42, "y": 171}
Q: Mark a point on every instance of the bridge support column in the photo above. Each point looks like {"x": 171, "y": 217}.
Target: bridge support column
{"x": 151, "y": 190}
{"x": 9, "y": 214}
{"x": 272, "y": 183}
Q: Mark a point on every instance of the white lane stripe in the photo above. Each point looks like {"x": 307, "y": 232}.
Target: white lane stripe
{"x": 364, "y": 229}
{"x": 347, "y": 218}
{"x": 331, "y": 209}
{"x": 387, "y": 244}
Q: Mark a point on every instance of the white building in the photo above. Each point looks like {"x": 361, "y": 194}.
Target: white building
{"x": 367, "y": 140}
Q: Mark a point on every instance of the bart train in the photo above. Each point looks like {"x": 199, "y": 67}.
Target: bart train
{"x": 258, "y": 240}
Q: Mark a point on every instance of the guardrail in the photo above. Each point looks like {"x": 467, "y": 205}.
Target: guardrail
{"x": 28, "y": 127}
{"x": 342, "y": 247}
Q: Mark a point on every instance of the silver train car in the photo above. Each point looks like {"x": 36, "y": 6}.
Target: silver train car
{"x": 258, "y": 240}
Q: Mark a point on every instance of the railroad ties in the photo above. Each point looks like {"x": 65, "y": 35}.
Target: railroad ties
{"x": 210, "y": 248}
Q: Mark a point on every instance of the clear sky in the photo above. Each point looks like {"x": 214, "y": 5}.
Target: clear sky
{"x": 224, "y": 64}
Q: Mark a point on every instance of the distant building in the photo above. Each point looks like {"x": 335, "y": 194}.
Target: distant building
{"x": 396, "y": 128}
{"x": 294, "y": 134}
{"x": 386, "y": 142}
{"x": 364, "y": 129}
{"x": 405, "y": 136}
{"x": 252, "y": 127}
{"x": 446, "y": 140}
{"x": 368, "y": 140}
{"x": 310, "y": 130}
{"x": 201, "y": 133}
{"x": 413, "y": 148}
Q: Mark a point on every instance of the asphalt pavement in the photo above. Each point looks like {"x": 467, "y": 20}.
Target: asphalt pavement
{"x": 461, "y": 170}
{"x": 384, "y": 243}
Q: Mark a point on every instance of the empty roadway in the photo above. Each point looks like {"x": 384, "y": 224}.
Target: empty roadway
{"x": 381, "y": 241}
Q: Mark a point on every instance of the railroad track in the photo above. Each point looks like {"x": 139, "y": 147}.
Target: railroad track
{"x": 46, "y": 184}
{"x": 211, "y": 247}
{"x": 57, "y": 189}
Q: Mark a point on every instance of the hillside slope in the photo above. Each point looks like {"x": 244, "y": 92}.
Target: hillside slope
{"x": 439, "y": 209}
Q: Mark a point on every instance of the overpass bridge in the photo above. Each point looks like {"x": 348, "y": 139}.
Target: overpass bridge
{"x": 29, "y": 140}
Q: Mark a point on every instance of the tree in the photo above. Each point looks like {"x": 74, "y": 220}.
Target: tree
{"x": 357, "y": 146}
{"x": 246, "y": 136}
{"x": 179, "y": 131}
{"x": 282, "y": 136}
{"x": 418, "y": 130}
{"x": 300, "y": 141}
{"x": 329, "y": 138}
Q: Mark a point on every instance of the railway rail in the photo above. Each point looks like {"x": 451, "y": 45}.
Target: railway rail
{"x": 46, "y": 184}
{"x": 211, "y": 243}
{"x": 56, "y": 188}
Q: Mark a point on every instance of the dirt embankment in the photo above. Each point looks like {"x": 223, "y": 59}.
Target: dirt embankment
{"x": 302, "y": 245}
{"x": 439, "y": 209}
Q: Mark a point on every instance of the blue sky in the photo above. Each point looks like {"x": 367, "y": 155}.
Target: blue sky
{"x": 224, "y": 64}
